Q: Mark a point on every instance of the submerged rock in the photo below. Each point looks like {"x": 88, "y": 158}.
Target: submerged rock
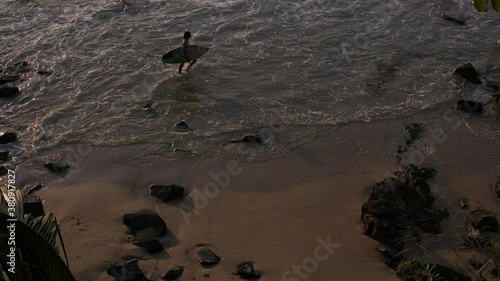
{"x": 150, "y": 246}
{"x": 143, "y": 220}
{"x": 8, "y": 137}
{"x": 166, "y": 192}
{"x": 182, "y": 126}
{"x": 7, "y": 92}
{"x": 206, "y": 257}
{"x": 470, "y": 106}
{"x": 468, "y": 72}
{"x": 174, "y": 273}
{"x": 57, "y": 167}
{"x": 127, "y": 271}
{"x": 246, "y": 270}
{"x": 448, "y": 18}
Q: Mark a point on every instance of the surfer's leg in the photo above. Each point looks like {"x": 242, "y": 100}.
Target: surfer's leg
{"x": 180, "y": 67}
{"x": 190, "y": 65}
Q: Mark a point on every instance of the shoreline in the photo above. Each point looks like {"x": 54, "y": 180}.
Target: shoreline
{"x": 271, "y": 212}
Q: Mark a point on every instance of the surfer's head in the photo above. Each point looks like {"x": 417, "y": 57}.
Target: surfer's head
{"x": 187, "y": 35}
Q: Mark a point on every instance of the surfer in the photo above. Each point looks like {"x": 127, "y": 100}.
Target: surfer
{"x": 185, "y": 43}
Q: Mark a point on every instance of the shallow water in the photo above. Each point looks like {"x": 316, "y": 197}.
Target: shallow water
{"x": 290, "y": 69}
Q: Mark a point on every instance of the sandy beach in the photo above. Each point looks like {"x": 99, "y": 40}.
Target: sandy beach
{"x": 274, "y": 213}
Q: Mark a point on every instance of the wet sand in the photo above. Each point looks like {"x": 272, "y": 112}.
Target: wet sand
{"x": 272, "y": 212}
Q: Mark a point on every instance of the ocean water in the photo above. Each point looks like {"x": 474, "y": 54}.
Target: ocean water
{"x": 290, "y": 69}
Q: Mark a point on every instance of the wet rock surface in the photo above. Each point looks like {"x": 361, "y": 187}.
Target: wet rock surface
{"x": 145, "y": 220}
{"x": 127, "y": 271}
{"x": 166, "y": 193}
{"x": 246, "y": 270}
{"x": 174, "y": 273}
{"x": 205, "y": 256}
{"x": 469, "y": 73}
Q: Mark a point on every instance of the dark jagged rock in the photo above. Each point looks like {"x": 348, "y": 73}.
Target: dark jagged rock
{"x": 414, "y": 131}
{"x": 448, "y": 18}
{"x": 127, "y": 271}
{"x": 470, "y": 106}
{"x": 7, "y": 92}
{"x": 146, "y": 219}
{"x": 254, "y": 139}
{"x": 8, "y": 138}
{"x": 174, "y": 273}
{"x": 44, "y": 72}
{"x": 57, "y": 167}
{"x": 166, "y": 192}
{"x": 482, "y": 220}
{"x": 3, "y": 171}
{"x": 4, "y": 79}
{"x": 4, "y": 156}
{"x": 182, "y": 126}
{"x": 150, "y": 246}
{"x": 33, "y": 205}
{"x": 378, "y": 229}
{"x": 246, "y": 270}
{"x": 206, "y": 257}
{"x": 468, "y": 72}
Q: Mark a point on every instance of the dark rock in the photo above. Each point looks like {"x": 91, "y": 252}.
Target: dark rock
{"x": 470, "y": 106}
{"x": 4, "y": 156}
{"x": 44, "y": 72}
{"x": 4, "y": 79}
{"x": 468, "y": 72}
{"x": 150, "y": 246}
{"x": 428, "y": 220}
{"x": 174, "y": 273}
{"x": 147, "y": 106}
{"x": 127, "y": 271}
{"x": 414, "y": 131}
{"x": 206, "y": 257}
{"x": 8, "y": 138}
{"x": 417, "y": 172}
{"x": 246, "y": 270}
{"x": 380, "y": 230}
{"x": 3, "y": 171}
{"x": 33, "y": 205}
{"x": 380, "y": 208}
{"x": 448, "y": 18}
{"x": 7, "y": 92}
{"x": 57, "y": 168}
{"x": 254, "y": 139}
{"x": 19, "y": 67}
{"x": 166, "y": 192}
{"x": 143, "y": 220}
{"x": 482, "y": 220}
{"x": 182, "y": 126}
{"x": 449, "y": 274}
{"x": 34, "y": 189}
